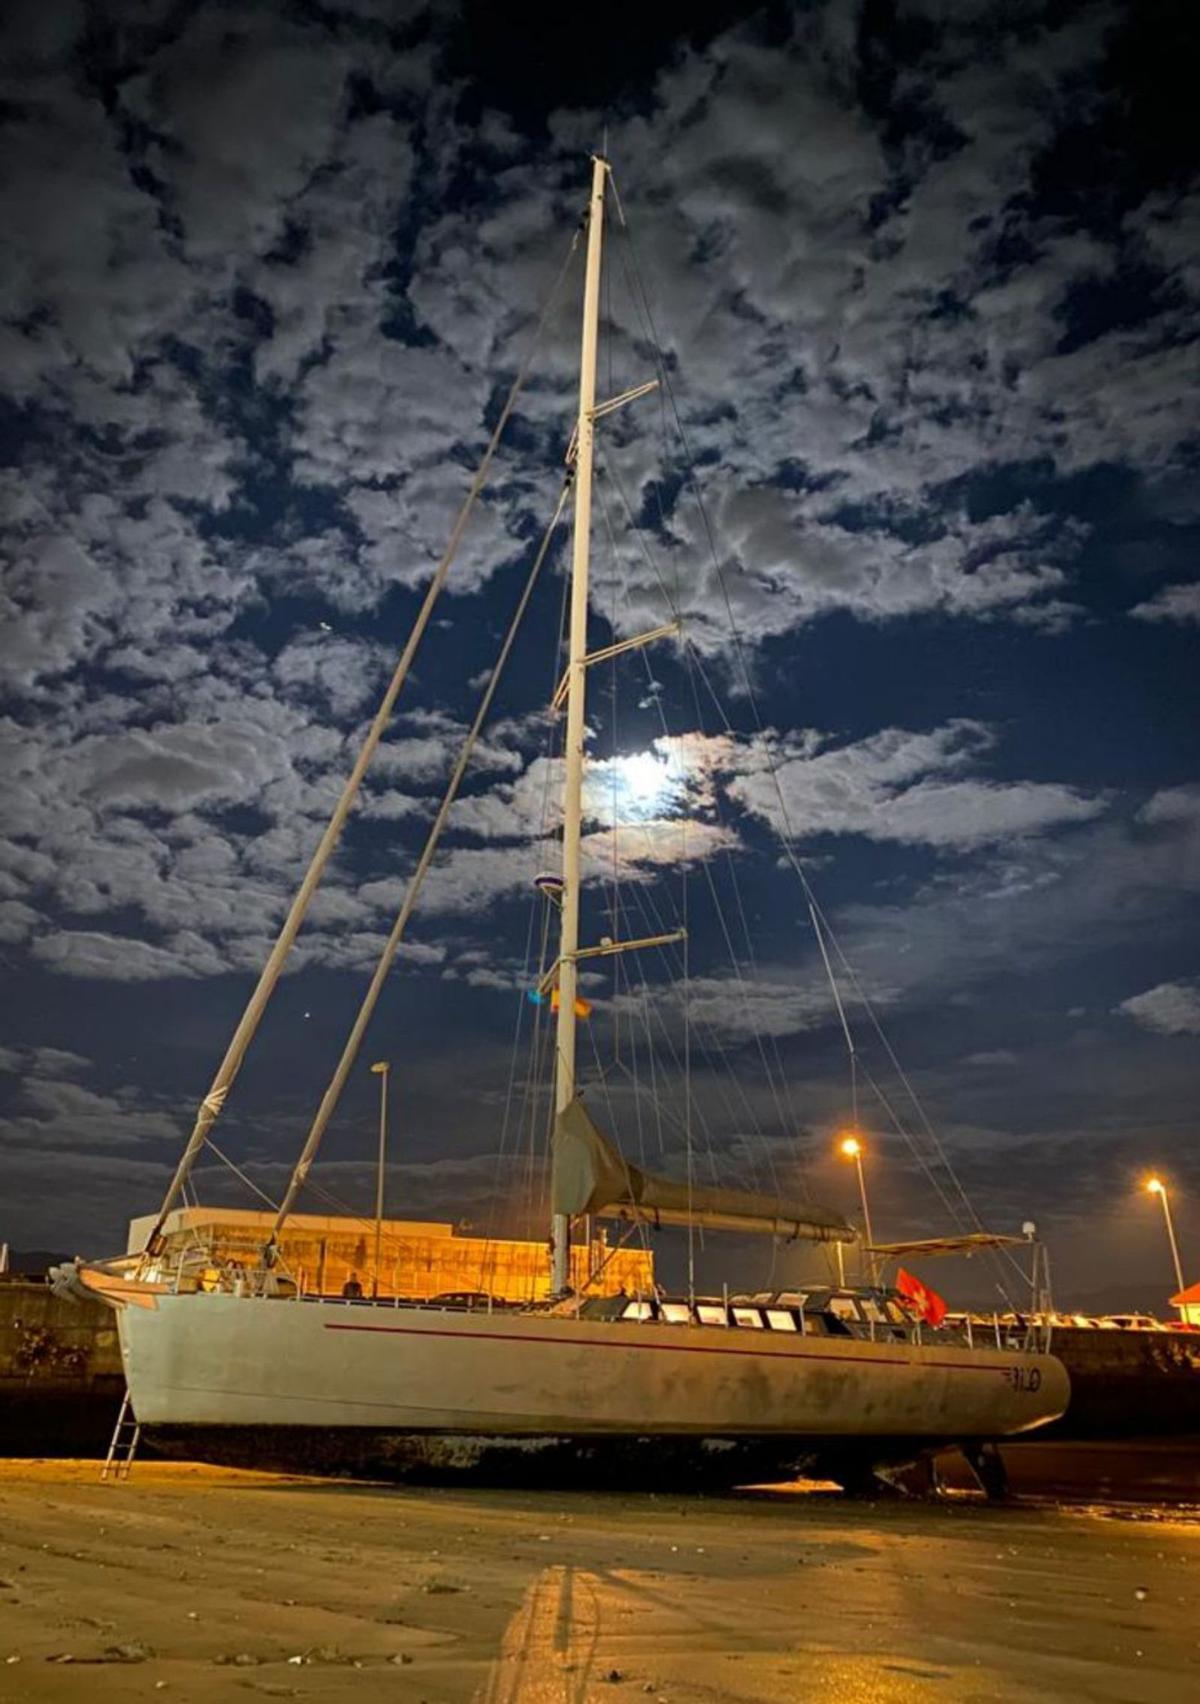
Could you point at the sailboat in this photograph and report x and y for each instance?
(246, 1367)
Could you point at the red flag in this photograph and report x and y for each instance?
(923, 1301)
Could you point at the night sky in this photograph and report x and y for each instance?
(924, 279)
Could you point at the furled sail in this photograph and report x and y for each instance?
(590, 1176)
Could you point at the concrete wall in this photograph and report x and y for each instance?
(61, 1379)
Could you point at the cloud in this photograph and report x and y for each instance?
(187, 235)
(883, 360)
(637, 850)
(1173, 805)
(897, 785)
(17, 920)
(72, 201)
(465, 879)
(473, 878)
(1172, 603)
(135, 821)
(766, 241)
(341, 676)
(338, 278)
(93, 1197)
(43, 1061)
(740, 1008)
(634, 789)
(122, 958)
(179, 767)
(50, 1110)
(787, 563)
(1171, 1008)
(54, 593)
(1169, 224)
(95, 579)
(528, 805)
(1036, 912)
(242, 112)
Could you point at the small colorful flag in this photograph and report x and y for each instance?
(923, 1301)
(583, 1008)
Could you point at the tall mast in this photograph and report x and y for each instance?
(568, 972)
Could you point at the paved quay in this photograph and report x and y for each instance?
(197, 1584)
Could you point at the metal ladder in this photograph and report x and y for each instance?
(123, 1447)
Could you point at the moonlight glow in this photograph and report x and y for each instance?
(640, 786)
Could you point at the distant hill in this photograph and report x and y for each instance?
(33, 1262)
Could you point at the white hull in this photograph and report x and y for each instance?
(226, 1361)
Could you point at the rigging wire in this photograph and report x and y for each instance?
(820, 925)
(687, 1062)
(538, 911)
(841, 1010)
(717, 906)
(241, 1175)
(358, 1029)
(688, 1027)
(652, 921)
(212, 1105)
(640, 293)
(777, 1081)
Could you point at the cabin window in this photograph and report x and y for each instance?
(748, 1317)
(676, 1313)
(780, 1320)
(873, 1310)
(638, 1310)
(843, 1307)
(711, 1313)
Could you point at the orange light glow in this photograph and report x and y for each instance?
(1156, 1186)
(850, 1146)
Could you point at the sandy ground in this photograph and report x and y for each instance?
(193, 1583)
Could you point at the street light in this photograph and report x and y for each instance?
(1156, 1186)
(381, 1070)
(851, 1149)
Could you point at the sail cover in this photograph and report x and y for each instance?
(590, 1176)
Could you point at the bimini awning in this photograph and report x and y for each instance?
(590, 1176)
(972, 1242)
